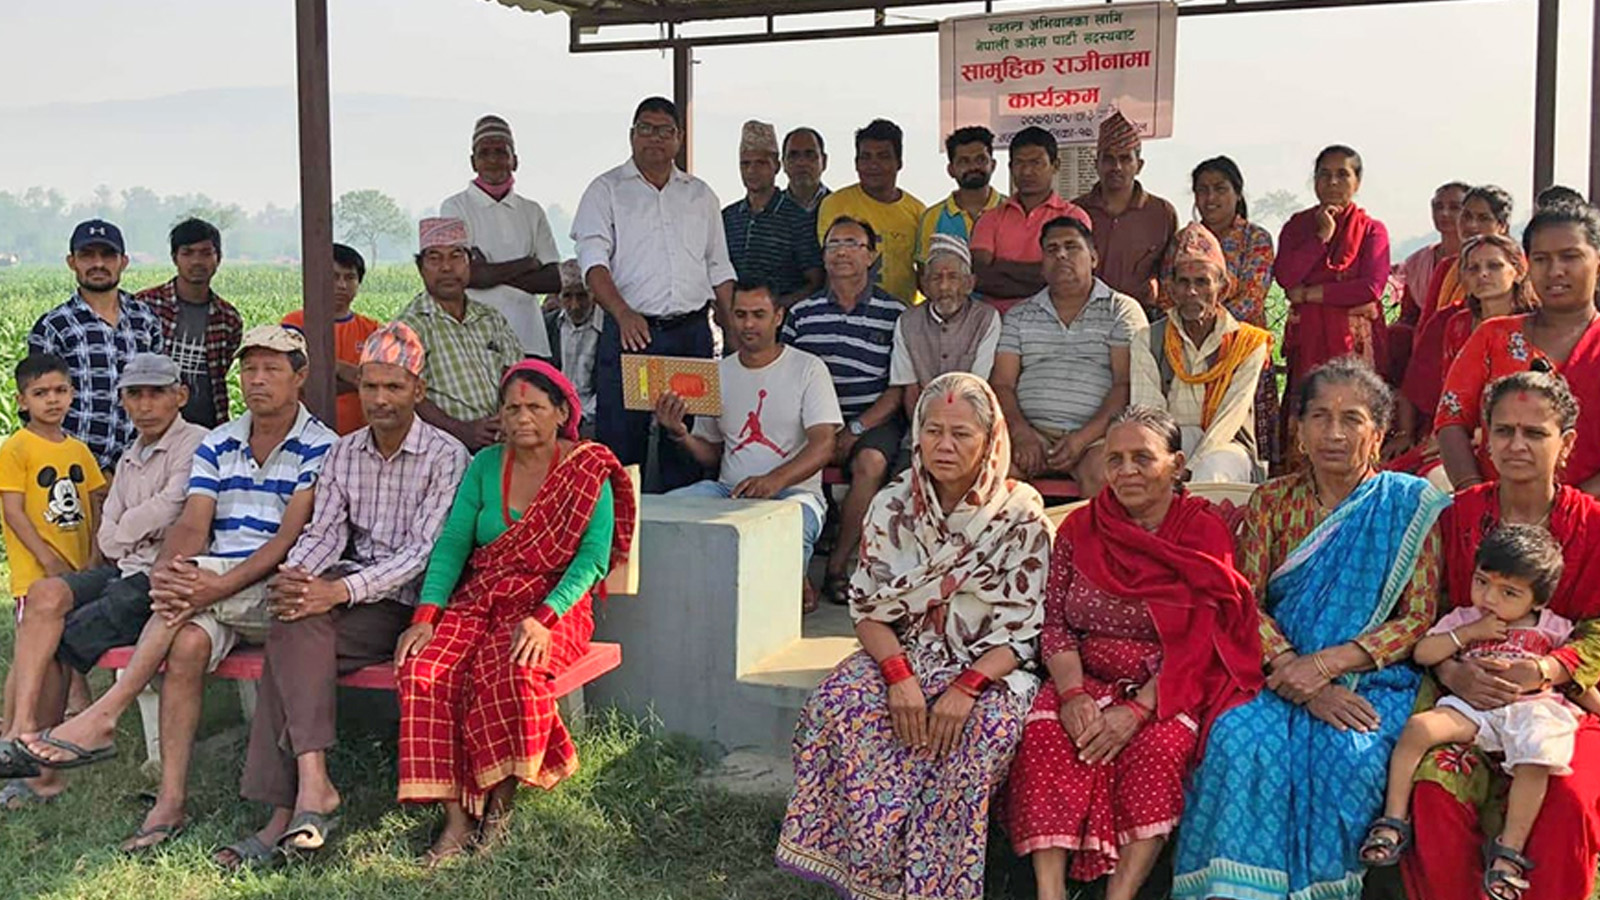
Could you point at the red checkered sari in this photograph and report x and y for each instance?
(469, 717)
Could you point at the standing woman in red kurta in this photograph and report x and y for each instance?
(1149, 634)
(1333, 263)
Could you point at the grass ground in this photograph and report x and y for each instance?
(632, 824)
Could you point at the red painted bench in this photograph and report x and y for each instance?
(244, 666)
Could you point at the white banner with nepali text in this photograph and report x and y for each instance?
(1062, 69)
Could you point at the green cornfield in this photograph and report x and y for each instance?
(262, 293)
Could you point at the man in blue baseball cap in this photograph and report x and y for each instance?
(97, 330)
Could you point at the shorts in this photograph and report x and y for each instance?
(108, 610)
(884, 437)
(1539, 731)
(240, 618)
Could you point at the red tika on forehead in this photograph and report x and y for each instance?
(1523, 396)
(950, 396)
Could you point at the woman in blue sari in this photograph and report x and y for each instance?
(1346, 562)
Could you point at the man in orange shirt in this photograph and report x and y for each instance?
(350, 331)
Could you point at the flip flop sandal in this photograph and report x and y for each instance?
(19, 795)
(308, 831)
(1498, 884)
(16, 762)
(1387, 849)
(164, 832)
(80, 756)
(248, 853)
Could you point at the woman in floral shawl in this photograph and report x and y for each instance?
(898, 751)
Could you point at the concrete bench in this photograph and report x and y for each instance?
(244, 666)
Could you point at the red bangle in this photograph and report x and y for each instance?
(1144, 713)
(426, 614)
(972, 682)
(895, 669)
(1071, 692)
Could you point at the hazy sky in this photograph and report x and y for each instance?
(1427, 92)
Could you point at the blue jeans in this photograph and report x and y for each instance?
(810, 522)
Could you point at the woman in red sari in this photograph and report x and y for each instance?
(1563, 246)
(1459, 796)
(1149, 634)
(1485, 211)
(538, 521)
(1333, 263)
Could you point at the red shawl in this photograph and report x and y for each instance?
(1582, 372)
(1203, 609)
(1349, 233)
(523, 565)
(1575, 523)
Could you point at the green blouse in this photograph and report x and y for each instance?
(477, 518)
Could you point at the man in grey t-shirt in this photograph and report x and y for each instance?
(1061, 368)
(776, 431)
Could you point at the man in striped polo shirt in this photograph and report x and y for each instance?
(772, 239)
(1061, 370)
(850, 326)
(249, 498)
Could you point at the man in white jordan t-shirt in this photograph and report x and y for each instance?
(779, 418)
(514, 256)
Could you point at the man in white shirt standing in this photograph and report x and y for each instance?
(514, 255)
(654, 256)
(779, 419)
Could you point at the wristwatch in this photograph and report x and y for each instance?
(856, 428)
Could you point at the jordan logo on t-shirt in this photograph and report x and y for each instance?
(752, 427)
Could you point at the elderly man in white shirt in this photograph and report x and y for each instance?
(1202, 365)
(514, 255)
(654, 256)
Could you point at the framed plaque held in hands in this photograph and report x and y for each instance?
(645, 378)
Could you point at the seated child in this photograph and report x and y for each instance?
(1518, 567)
(50, 485)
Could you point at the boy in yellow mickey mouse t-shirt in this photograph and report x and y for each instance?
(50, 486)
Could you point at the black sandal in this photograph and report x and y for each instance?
(1498, 884)
(1387, 849)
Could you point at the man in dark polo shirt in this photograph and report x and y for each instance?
(772, 240)
(849, 325)
(1132, 227)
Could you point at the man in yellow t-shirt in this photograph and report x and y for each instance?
(50, 485)
(876, 199)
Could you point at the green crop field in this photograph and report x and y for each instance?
(262, 293)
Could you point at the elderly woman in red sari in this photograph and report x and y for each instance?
(538, 521)
(1149, 634)
(1459, 795)
(1333, 263)
(898, 750)
(1485, 211)
(1563, 335)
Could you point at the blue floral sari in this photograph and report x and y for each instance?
(1281, 800)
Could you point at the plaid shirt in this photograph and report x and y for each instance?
(95, 352)
(224, 330)
(377, 519)
(464, 359)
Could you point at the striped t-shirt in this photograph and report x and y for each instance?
(251, 498)
(855, 345)
(1066, 369)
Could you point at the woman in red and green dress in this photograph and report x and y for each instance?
(1459, 796)
(538, 522)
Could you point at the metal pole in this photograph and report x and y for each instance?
(316, 202)
(683, 98)
(1594, 112)
(1544, 96)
